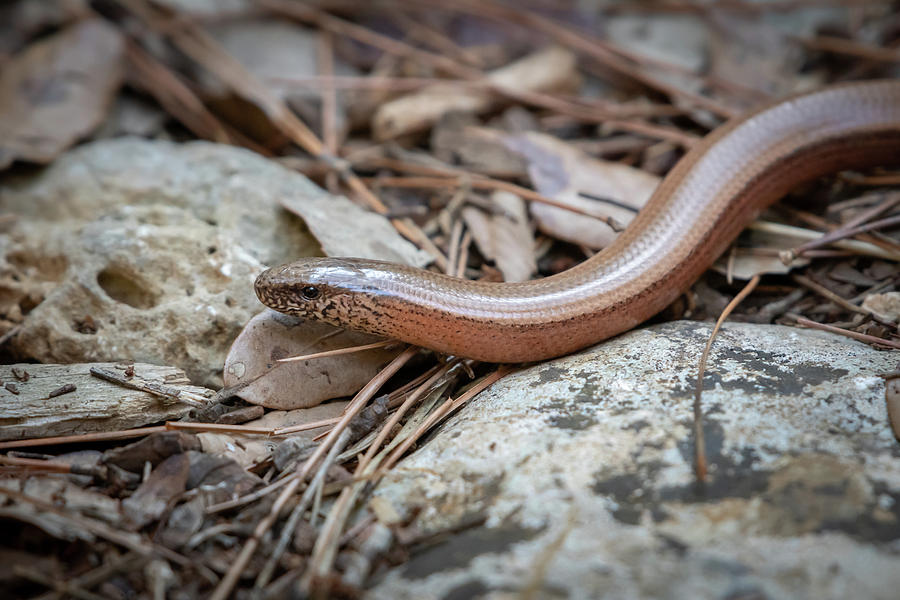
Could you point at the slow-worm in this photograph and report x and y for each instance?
(700, 207)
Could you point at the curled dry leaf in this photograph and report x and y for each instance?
(279, 419)
(246, 451)
(278, 54)
(885, 306)
(757, 55)
(165, 483)
(251, 370)
(345, 229)
(552, 68)
(758, 254)
(505, 236)
(58, 90)
(251, 450)
(567, 175)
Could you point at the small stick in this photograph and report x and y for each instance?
(854, 227)
(339, 351)
(105, 436)
(862, 337)
(486, 184)
(181, 426)
(842, 302)
(700, 469)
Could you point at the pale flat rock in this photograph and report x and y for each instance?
(253, 373)
(583, 469)
(147, 250)
(27, 409)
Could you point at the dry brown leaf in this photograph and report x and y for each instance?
(758, 254)
(343, 228)
(885, 306)
(165, 483)
(457, 140)
(505, 236)
(246, 451)
(58, 90)
(278, 419)
(270, 336)
(552, 68)
(754, 54)
(565, 174)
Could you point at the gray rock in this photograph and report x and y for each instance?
(583, 469)
(147, 250)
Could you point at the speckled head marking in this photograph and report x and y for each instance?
(325, 289)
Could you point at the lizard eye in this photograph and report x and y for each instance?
(310, 292)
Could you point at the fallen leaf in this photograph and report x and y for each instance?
(754, 54)
(278, 419)
(154, 448)
(457, 140)
(345, 229)
(58, 90)
(550, 69)
(504, 237)
(246, 451)
(567, 175)
(251, 366)
(758, 254)
(166, 482)
(886, 306)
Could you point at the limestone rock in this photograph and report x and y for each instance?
(583, 469)
(147, 250)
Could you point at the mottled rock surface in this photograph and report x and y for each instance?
(583, 469)
(147, 250)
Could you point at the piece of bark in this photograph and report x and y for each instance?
(95, 405)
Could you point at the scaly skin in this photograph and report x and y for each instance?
(698, 210)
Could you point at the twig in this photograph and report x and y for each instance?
(445, 409)
(847, 47)
(132, 541)
(592, 47)
(487, 184)
(842, 302)
(311, 14)
(857, 247)
(339, 351)
(105, 436)
(862, 337)
(853, 227)
(60, 587)
(700, 468)
(203, 49)
(290, 525)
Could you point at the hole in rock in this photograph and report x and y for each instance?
(123, 287)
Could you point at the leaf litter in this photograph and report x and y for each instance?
(447, 135)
